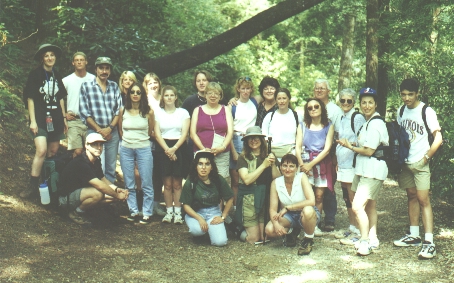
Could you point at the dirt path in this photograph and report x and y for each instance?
(38, 246)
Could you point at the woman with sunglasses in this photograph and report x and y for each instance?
(282, 125)
(152, 85)
(370, 172)
(257, 169)
(244, 114)
(212, 128)
(171, 130)
(315, 161)
(350, 123)
(135, 126)
(202, 192)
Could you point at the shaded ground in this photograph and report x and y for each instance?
(37, 245)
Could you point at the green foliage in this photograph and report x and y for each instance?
(10, 106)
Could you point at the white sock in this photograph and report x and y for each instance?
(177, 209)
(414, 231)
(79, 210)
(311, 236)
(429, 237)
(170, 210)
(352, 228)
(357, 231)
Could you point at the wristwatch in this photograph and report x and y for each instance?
(223, 218)
(426, 156)
(111, 127)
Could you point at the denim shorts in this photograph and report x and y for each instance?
(294, 217)
(238, 144)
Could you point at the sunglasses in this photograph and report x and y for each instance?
(316, 107)
(247, 79)
(349, 101)
(138, 92)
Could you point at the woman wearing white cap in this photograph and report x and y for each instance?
(43, 96)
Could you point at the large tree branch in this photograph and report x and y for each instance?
(177, 62)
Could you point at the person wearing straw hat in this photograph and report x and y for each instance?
(256, 169)
(44, 95)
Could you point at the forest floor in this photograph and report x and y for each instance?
(38, 245)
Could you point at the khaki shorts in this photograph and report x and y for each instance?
(416, 175)
(77, 131)
(367, 187)
(250, 217)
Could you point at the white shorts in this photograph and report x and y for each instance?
(317, 182)
(345, 175)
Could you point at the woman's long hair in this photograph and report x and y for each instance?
(308, 118)
(247, 150)
(213, 175)
(144, 108)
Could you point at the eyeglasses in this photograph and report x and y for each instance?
(349, 101)
(320, 88)
(138, 92)
(212, 93)
(247, 79)
(316, 107)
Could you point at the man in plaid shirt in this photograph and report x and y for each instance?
(100, 103)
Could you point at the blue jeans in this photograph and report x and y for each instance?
(330, 206)
(144, 160)
(218, 234)
(238, 144)
(109, 155)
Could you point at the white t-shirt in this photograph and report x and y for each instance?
(245, 116)
(171, 125)
(372, 136)
(297, 194)
(72, 84)
(282, 128)
(414, 124)
(334, 115)
(154, 104)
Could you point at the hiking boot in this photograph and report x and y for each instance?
(177, 219)
(291, 237)
(318, 232)
(343, 234)
(329, 227)
(29, 193)
(135, 217)
(306, 246)
(159, 210)
(350, 240)
(428, 250)
(145, 220)
(168, 218)
(79, 218)
(408, 241)
(363, 248)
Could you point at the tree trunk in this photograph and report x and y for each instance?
(177, 62)
(383, 49)
(345, 70)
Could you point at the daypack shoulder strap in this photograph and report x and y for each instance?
(375, 118)
(233, 111)
(401, 111)
(352, 122)
(424, 118)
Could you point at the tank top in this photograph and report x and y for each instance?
(297, 194)
(135, 131)
(205, 129)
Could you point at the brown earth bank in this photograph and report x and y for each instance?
(39, 245)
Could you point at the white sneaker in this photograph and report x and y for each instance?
(159, 210)
(318, 232)
(168, 217)
(363, 248)
(343, 234)
(428, 250)
(177, 219)
(351, 240)
(373, 244)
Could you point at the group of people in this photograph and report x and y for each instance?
(282, 166)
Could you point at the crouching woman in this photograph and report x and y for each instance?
(294, 194)
(201, 196)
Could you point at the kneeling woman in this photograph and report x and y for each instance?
(201, 195)
(294, 194)
(256, 170)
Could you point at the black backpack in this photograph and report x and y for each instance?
(51, 171)
(396, 153)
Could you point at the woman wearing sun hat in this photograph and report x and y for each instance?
(256, 169)
(43, 96)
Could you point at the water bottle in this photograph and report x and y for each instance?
(44, 193)
(50, 125)
(305, 154)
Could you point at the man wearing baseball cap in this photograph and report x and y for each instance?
(83, 183)
(100, 103)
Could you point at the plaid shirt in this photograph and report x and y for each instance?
(101, 107)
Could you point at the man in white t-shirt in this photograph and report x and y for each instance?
(415, 176)
(77, 130)
(321, 91)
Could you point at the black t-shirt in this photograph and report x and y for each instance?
(192, 101)
(78, 174)
(46, 89)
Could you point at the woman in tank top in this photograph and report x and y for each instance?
(316, 137)
(135, 126)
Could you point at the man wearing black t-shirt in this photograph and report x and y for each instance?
(83, 182)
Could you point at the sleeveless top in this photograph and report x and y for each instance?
(314, 141)
(207, 125)
(135, 131)
(297, 194)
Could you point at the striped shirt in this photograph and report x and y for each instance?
(101, 107)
